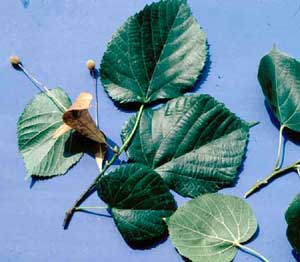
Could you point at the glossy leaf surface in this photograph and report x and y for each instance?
(193, 142)
(157, 54)
(279, 77)
(292, 217)
(138, 199)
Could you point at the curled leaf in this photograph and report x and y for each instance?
(61, 130)
(78, 117)
(99, 153)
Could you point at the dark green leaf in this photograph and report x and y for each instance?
(292, 217)
(279, 77)
(193, 142)
(44, 155)
(211, 227)
(138, 199)
(157, 54)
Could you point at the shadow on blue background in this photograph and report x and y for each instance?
(25, 3)
(202, 78)
(296, 256)
(288, 134)
(83, 145)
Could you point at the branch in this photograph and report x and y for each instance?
(91, 189)
(276, 173)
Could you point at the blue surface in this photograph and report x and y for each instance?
(54, 39)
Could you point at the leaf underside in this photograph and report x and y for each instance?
(292, 217)
(193, 142)
(279, 77)
(138, 199)
(157, 54)
(208, 228)
(43, 155)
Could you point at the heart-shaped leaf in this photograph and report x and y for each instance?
(279, 77)
(45, 156)
(211, 227)
(138, 199)
(157, 54)
(193, 142)
(292, 217)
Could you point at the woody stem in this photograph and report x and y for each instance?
(92, 187)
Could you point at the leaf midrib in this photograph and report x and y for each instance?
(162, 51)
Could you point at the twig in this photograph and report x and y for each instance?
(276, 173)
(92, 187)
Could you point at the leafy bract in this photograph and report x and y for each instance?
(211, 227)
(138, 199)
(193, 142)
(292, 217)
(45, 156)
(77, 117)
(279, 77)
(157, 54)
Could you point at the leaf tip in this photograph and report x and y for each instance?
(253, 124)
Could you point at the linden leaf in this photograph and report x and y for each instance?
(138, 199)
(211, 227)
(45, 156)
(292, 217)
(194, 142)
(157, 54)
(279, 77)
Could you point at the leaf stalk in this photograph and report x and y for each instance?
(278, 159)
(92, 187)
(252, 251)
(261, 183)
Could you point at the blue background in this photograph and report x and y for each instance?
(54, 39)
